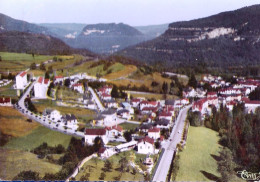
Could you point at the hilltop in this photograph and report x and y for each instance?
(222, 40)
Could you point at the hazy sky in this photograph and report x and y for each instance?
(132, 12)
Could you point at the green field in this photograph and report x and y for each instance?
(15, 161)
(8, 91)
(19, 61)
(197, 161)
(129, 126)
(94, 168)
(37, 137)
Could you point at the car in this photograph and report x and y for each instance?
(179, 131)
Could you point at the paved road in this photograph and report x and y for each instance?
(170, 146)
(97, 101)
(42, 119)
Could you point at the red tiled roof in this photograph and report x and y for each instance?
(77, 85)
(105, 95)
(166, 114)
(46, 81)
(154, 109)
(154, 130)
(40, 79)
(252, 102)
(95, 131)
(5, 100)
(212, 93)
(23, 74)
(56, 77)
(146, 139)
(118, 128)
(136, 100)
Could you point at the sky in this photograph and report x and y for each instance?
(132, 12)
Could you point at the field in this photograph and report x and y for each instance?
(197, 161)
(8, 91)
(16, 62)
(83, 115)
(66, 94)
(37, 137)
(129, 126)
(94, 168)
(122, 72)
(154, 96)
(15, 161)
(14, 123)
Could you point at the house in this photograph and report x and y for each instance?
(105, 90)
(98, 121)
(109, 117)
(91, 134)
(58, 80)
(162, 123)
(169, 103)
(105, 96)
(145, 127)
(126, 146)
(148, 104)
(154, 133)
(41, 88)
(212, 94)
(78, 87)
(105, 153)
(149, 110)
(128, 106)
(146, 146)
(69, 120)
(53, 114)
(5, 101)
(165, 115)
(124, 113)
(90, 104)
(213, 101)
(114, 131)
(230, 105)
(135, 102)
(201, 106)
(185, 101)
(251, 105)
(110, 103)
(21, 80)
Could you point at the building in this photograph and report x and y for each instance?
(21, 80)
(5, 101)
(201, 106)
(41, 88)
(105, 153)
(91, 134)
(114, 131)
(154, 133)
(70, 120)
(135, 102)
(110, 103)
(58, 80)
(146, 146)
(78, 87)
(109, 117)
(251, 105)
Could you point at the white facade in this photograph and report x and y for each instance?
(145, 147)
(41, 88)
(21, 80)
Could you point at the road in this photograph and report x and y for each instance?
(170, 146)
(95, 97)
(42, 119)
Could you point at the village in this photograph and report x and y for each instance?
(154, 120)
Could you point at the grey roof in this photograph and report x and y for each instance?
(99, 117)
(163, 122)
(169, 102)
(47, 111)
(69, 117)
(145, 126)
(108, 112)
(110, 101)
(122, 111)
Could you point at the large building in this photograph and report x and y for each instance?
(41, 88)
(21, 80)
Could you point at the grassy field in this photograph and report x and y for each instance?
(66, 94)
(15, 161)
(197, 161)
(8, 91)
(19, 61)
(83, 115)
(128, 126)
(37, 137)
(154, 96)
(14, 123)
(123, 72)
(94, 168)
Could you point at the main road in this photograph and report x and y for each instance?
(170, 146)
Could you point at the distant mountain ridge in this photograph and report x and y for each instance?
(106, 38)
(10, 24)
(220, 40)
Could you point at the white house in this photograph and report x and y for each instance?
(114, 131)
(41, 88)
(135, 102)
(148, 104)
(109, 117)
(21, 80)
(251, 105)
(105, 153)
(124, 113)
(201, 106)
(162, 123)
(5, 101)
(146, 146)
(110, 103)
(78, 87)
(154, 133)
(166, 115)
(70, 120)
(91, 134)
(58, 80)
(56, 115)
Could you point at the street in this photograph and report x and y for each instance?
(170, 146)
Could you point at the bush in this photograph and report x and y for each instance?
(27, 175)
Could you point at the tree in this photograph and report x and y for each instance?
(67, 82)
(102, 176)
(27, 175)
(107, 166)
(192, 81)
(55, 59)
(114, 92)
(154, 84)
(42, 66)
(50, 70)
(255, 95)
(33, 66)
(165, 87)
(226, 165)
(123, 164)
(128, 136)
(98, 143)
(47, 76)
(0, 58)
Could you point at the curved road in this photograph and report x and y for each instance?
(170, 146)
